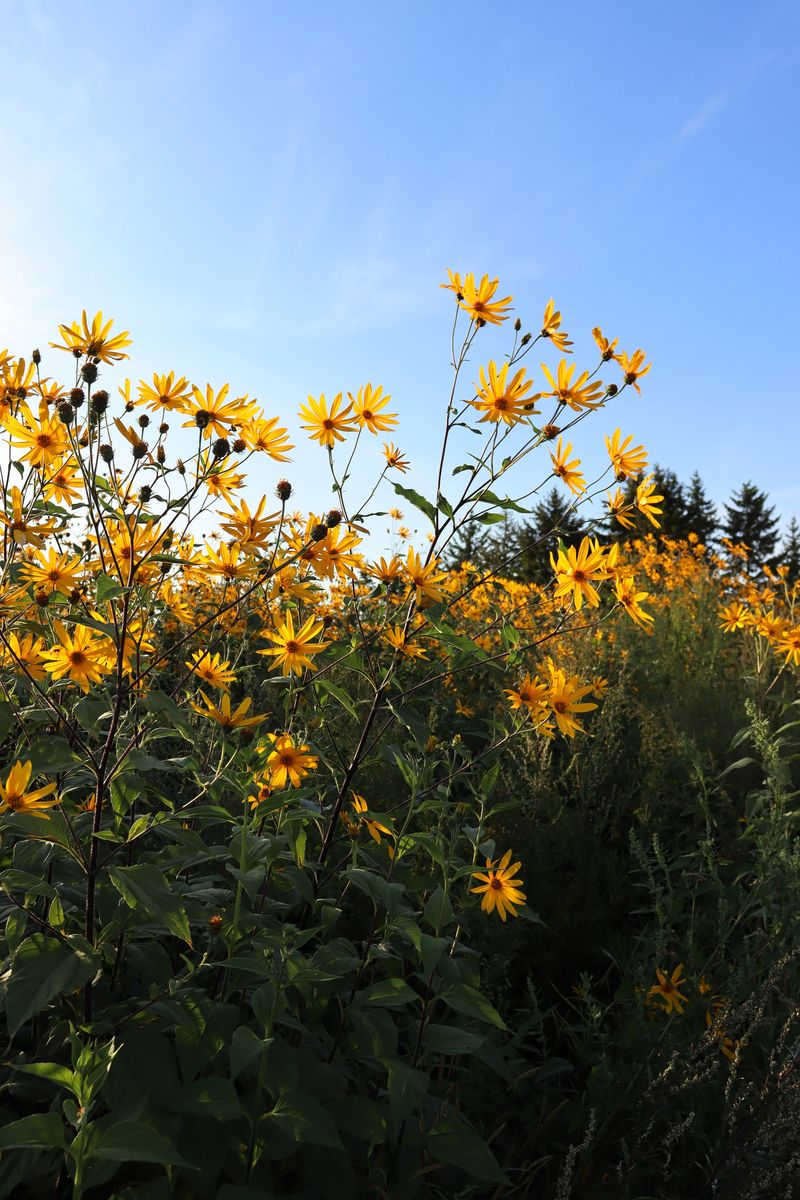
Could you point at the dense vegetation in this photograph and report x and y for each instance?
(469, 870)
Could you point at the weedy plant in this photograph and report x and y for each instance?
(248, 813)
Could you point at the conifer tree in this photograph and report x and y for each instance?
(749, 519)
(553, 518)
(701, 512)
(790, 550)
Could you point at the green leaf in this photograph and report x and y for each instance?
(148, 762)
(42, 969)
(56, 1073)
(128, 1141)
(305, 1121)
(50, 755)
(454, 1143)
(210, 1097)
(438, 911)
(36, 1132)
(444, 505)
(406, 1088)
(469, 1002)
(107, 588)
(361, 1118)
(246, 1047)
(339, 694)
(418, 501)
(491, 518)
(389, 993)
(451, 1039)
(487, 497)
(144, 887)
(6, 718)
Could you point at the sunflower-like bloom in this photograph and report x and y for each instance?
(236, 719)
(22, 529)
(501, 890)
(626, 460)
(267, 436)
(605, 347)
(229, 562)
(65, 484)
(211, 669)
(631, 600)
(402, 642)
(582, 394)
(166, 392)
(327, 426)
(250, 530)
(368, 406)
(667, 989)
(479, 301)
(81, 655)
(53, 572)
(568, 471)
(425, 580)
(15, 798)
(355, 817)
(288, 763)
(577, 570)
(93, 340)
(789, 645)
(455, 285)
(566, 698)
(337, 554)
(500, 400)
(551, 324)
(394, 458)
(647, 502)
(386, 572)
(531, 693)
(44, 442)
(633, 368)
(620, 509)
(214, 414)
(293, 650)
(25, 655)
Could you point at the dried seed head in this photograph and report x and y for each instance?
(99, 402)
(221, 448)
(139, 449)
(106, 452)
(239, 446)
(144, 421)
(89, 371)
(319, 532)
(283, 489)
(333, 518)
(66, 413)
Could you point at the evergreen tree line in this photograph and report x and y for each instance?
(521, 549)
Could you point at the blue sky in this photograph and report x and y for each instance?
(269, 195)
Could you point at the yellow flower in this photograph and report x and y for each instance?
(667, 989)
(394, 457)
(327, 427)
(26, 655)
(81, 655)
(567, 471)
(237, 719)
(425, 580)
(288, 763)
(267, 436)
(479, 303)
(790, 645)
(581, 394)
(386, 572)
(566, 697)
(44, 443)
(630, 599)
(501, 890)
(250, 530)
(402, 642)
(21, 527)
(65, 484)
(211, 669)
(292, 649)
(605, 347)
(455, 285)
(599, 686)
(576, 570)
(93, 340)
(619, 508)
(15, 798)
(626, 460)
(499, 400)
(646, 502)
(166, 392)
(367, 409)
(354, 818)
(633, 368)
(551, 323)
(214, 413)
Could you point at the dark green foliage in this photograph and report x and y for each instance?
(790, 550)
(750, 519)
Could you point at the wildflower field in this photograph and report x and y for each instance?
(461, 863)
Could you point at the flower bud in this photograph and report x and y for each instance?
(526, 337)
(36, 356)
(161, 455)
(163, 429)
(283, 489)
(144, 421)
(181, 468)
(129, 406)
(215, 923)
(612, 389)
(517, 325)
